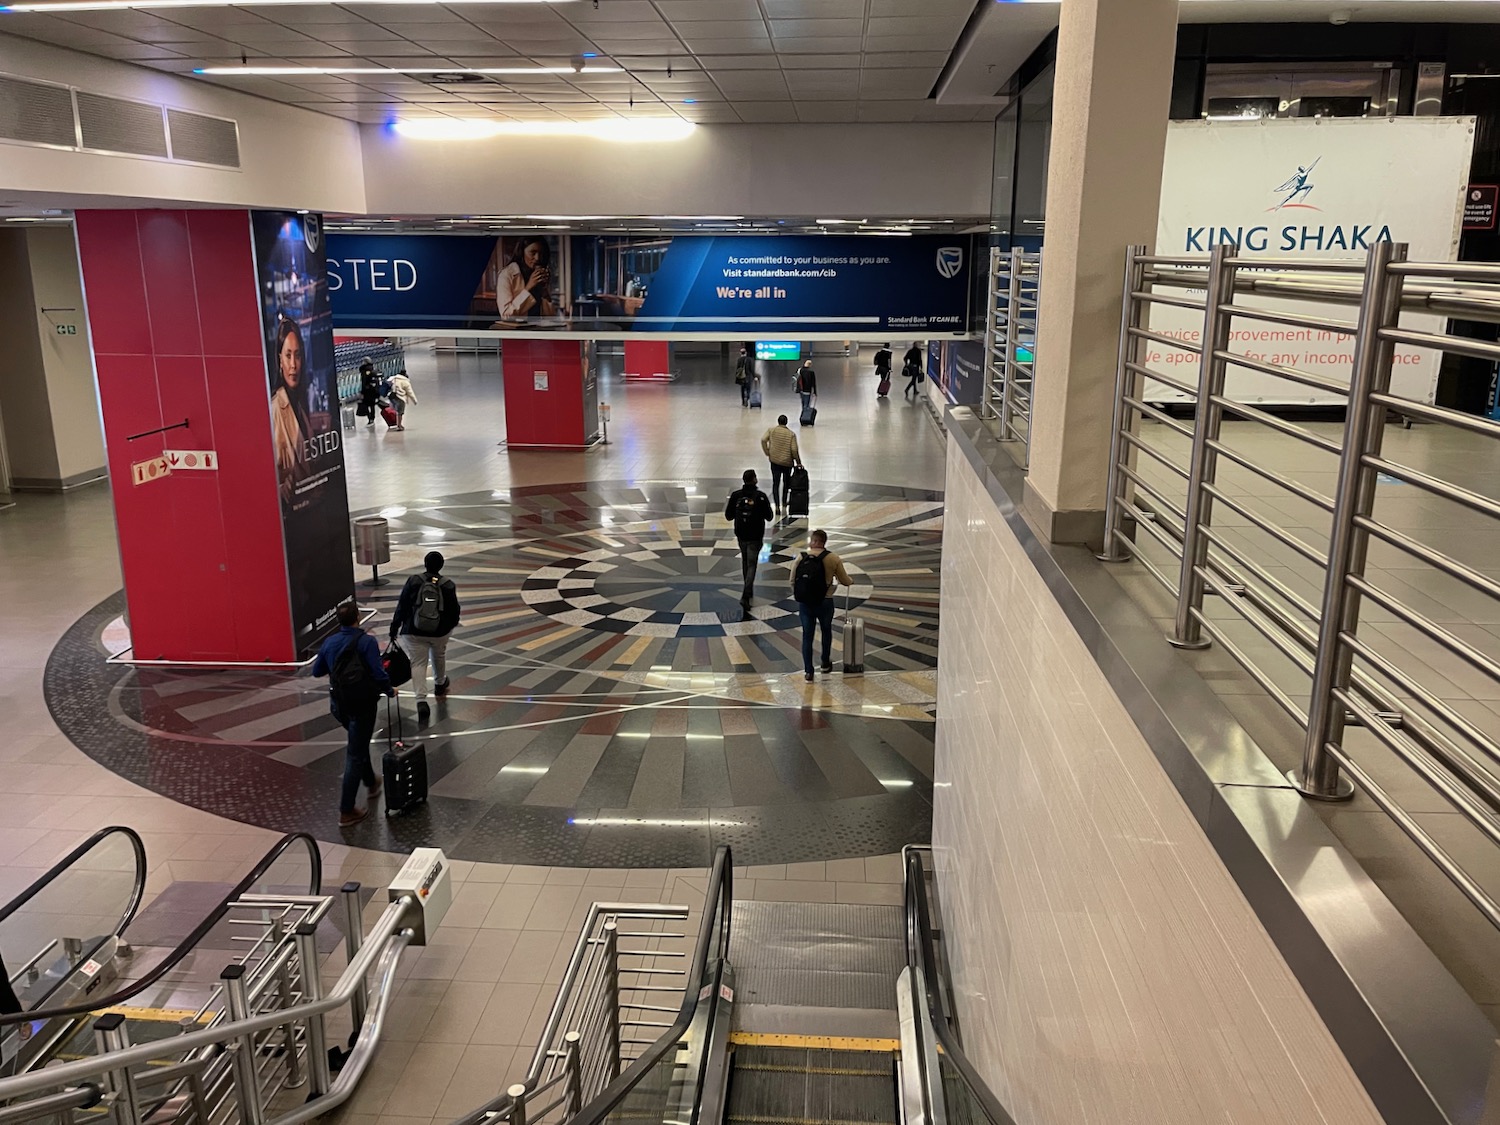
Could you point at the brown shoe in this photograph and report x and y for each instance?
(349, 819)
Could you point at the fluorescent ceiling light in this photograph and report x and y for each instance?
(119, 5)
(287, 71)
(633, 130)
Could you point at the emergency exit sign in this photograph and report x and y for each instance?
(67, 329)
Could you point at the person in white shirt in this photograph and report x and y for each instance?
(402, 394)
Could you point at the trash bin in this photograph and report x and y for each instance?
(372, 545)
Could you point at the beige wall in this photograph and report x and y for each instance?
(812, 171)
(48, 401)
(1107, 968)
(289, 157)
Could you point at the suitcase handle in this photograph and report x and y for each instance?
(400, 737)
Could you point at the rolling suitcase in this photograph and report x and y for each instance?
(349, 412)
(797, 490)
(884, 388)
(755, 397)
(854, 640)
(403, 769)
(809, 416)
(390, 416)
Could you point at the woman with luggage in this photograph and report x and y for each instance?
(402, 395)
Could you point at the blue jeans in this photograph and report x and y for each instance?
(806, 399)
(361, 728)
(820, 614)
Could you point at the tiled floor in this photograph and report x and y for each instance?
(1456, 931)
(468, 1003)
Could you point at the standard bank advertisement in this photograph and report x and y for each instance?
(605, 285)
(1303, 190)
(297, 327)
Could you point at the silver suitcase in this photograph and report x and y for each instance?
(347, 411)
(854, 640)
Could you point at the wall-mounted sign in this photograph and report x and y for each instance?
(144, 472)
(778, 349)
(200, 460)
(1479, 206)
(67, 329)
(539, 380)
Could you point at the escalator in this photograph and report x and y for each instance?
(815, 1015)
(77, 944)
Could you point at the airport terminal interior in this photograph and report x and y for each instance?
(427, 698)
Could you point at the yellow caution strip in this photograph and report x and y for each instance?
(812, 1042)
(156, 1015)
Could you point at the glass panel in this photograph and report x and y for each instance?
(289, 874)
(1242, 109)
(658, 1095)
(1033, 148)
(1334, 107)
(1002, 190)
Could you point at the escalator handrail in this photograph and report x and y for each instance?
(186, 946)
(712, 945)
(921, 956)
(137, 845)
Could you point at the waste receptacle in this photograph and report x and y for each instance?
(372, 545)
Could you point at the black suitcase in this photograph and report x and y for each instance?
(797, 490)
(809, 416)
(403, 769)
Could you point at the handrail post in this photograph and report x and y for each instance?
(1187, 631)
(991, 334)
(1354, 496)
(320, 1077)
(353, 938)
(1012, 306)
(612, 995)
(1129, 352)
(110, 1034)
(572, 1068)
(518, 1103)
(294, 1073)
(246, 1075)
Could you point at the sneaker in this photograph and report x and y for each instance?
(808, 676)
(441, 689)
(349, 819)
(424, 712)
(827, 668)
(375, 790)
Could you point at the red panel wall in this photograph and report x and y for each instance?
(648, 359)
(175, 328)
(553, 417)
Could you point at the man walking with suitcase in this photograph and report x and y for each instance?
(815, 576)
(357, 679)
(749, 509)
(425, 614)
(779, 445)
(807, 387)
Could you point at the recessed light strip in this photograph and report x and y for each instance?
(275, 71)
(624, 129)
(124, 5)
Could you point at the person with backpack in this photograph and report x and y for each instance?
(425, 614)
(911, 369)
(779, 445)
(807, 387)
(749, 509)
(357, 679)
(815, 576)
(369, 392)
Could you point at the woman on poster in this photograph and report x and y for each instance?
(524, 289)
(290, 425)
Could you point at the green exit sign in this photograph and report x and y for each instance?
(67, 329)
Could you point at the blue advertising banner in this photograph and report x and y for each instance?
(957, 367)
(744, 286)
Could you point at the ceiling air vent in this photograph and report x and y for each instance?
(36, 113)
(116, 125)
(202, 139)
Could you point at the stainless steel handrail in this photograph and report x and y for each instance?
(1349, 678)
(1014, 299)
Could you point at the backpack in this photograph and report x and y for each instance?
(810, 580)
(427, 613)
(801, 383)
(349, 680)
(748, 522)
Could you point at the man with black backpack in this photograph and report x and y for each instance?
(357, 679)
(814, 577)
(426, 613)
(749, 508)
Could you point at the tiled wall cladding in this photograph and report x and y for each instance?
(1107, 967)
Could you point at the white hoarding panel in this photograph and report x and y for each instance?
(1298, 190)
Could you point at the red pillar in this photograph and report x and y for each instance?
(648, 361)
(547, 399)
(179, 333)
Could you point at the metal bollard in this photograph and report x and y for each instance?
(110, 1034)
(572, 1067)
(517, 1094)
(246, 1076)
(319, 1076)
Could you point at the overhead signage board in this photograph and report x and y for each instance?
(778, 349)
(592, 285)
(1298, 190)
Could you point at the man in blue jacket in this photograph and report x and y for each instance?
(357, 679)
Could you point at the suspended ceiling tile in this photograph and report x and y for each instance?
(887, 111)
(893, 82)
(803, 82)
(821, 45)
(766, 112)
(719, 29)
(827, 111)
(704, 47)
(814, 9)
(611, 11)
(934, 59)
(898, 43)
(896, 9)
(819, 62)
(805, 29)
(694, 10)
(933, 23)
(752, 83)
(713, 63)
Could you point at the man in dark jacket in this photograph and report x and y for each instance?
(425, 615)
(749, 509)
(356, 681)
(807, 385)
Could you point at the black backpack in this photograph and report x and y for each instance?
(350, 680)
(748, 522)
(427, 610)
(810, 580)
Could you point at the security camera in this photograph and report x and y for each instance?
(1340, 17)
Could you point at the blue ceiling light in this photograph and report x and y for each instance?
(689, 101)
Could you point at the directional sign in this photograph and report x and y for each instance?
(144, 472)
(196, 459)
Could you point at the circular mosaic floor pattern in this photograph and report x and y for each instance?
(612, 704)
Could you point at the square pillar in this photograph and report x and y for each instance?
(551, 399)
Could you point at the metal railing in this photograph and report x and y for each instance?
(1010, 330)
(623, 985)
(1164, 511)
(269, 1039)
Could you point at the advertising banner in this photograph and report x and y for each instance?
(600, 285)
(297, 327)
(957, 367)
(1299, 189)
